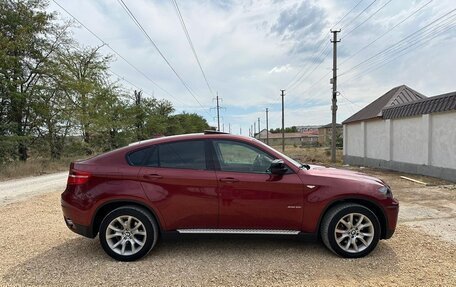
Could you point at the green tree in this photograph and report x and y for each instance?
(83, 78)
(28, 39)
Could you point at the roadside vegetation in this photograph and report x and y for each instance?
(58, 100)
(312, 155)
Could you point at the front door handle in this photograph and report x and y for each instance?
(229, 179)
(153, 176)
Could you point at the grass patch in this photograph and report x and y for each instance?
(34, 167)
(312, 155)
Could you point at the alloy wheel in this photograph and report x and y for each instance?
(126, 235)
(354, 232)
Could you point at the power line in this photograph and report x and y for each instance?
(433, 33)
(396, 44)
(138, 24)
(307, 64)
(294, 82)
(184, 27)
(115, 52)
(320, 58)
(359, 14)
(367, 19)
(348, 13)
(386, 32)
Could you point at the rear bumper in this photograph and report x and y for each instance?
(77, 220)
(79, 229)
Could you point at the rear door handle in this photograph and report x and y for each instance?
(229, 179)
(153, 176)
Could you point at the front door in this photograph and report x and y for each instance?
(250, 197)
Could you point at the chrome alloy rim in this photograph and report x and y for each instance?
(354, 232)
(126, 235)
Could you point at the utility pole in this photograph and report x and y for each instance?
(254, 129)
(218, 113)
(240, 131)
(259, 130)
(267, 127)
(223, 127)
(334, 96)
(229, 127)
(283, 121)
(251, 130)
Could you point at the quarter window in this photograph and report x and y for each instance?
(184, 154)
(144, 157)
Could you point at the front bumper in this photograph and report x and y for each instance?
(392, 212)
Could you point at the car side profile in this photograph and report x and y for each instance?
(221, 183)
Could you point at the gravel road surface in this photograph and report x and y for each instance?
(39, 250)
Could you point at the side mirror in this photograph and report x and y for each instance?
(278, 167)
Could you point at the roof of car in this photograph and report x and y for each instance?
(191, 136)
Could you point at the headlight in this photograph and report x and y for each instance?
(385, 190)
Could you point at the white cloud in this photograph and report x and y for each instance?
(252, 49)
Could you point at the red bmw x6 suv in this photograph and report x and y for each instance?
(221, 183)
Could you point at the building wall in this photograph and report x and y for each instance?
(408, 140)
(424, 144)
(443, 140)
(354, 139)
(376, 141)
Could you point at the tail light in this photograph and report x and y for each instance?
(78, 177)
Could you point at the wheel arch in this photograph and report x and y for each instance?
(375, 207)
(109, 206)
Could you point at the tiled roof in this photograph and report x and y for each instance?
(330, 125)
(395, 96)
(440, 103)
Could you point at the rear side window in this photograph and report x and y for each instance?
(144, 157)
(185, 154)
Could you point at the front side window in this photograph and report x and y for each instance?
(184, 154)
(241, 157)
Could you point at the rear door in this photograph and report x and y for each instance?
(181, 184)
(251, 198)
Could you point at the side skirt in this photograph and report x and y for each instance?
(239, 231)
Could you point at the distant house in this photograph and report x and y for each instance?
(404, 130)
(325, 133)
(299, 139)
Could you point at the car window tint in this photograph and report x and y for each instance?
(241, 157)
(186, 154)
(144, 157)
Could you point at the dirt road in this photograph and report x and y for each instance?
(38, 249)
(16, 189)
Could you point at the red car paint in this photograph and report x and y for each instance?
(185, 199)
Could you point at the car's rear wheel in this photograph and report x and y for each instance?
(128, 233)
(350, 230)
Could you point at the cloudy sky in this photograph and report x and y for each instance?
(251, 49)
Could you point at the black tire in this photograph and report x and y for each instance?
(149, 226)
(332, 218)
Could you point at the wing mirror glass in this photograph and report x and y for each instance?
(278, 167)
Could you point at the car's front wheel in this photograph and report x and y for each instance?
(128, 233)
(350, 230)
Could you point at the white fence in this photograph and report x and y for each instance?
(424, 144)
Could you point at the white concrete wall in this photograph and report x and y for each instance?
(408, 140)
(355, 141)
(377, 140)
(428, 140)
(443, 140)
